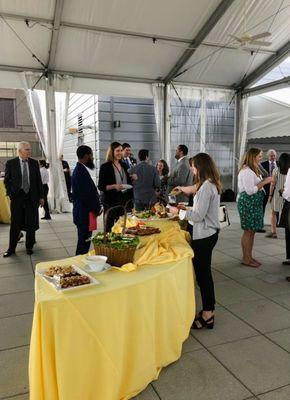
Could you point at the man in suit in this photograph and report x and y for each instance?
(267, 170)
(147, 182)
(86, 198)
(24, 187)
(181, 174)
(128, 159)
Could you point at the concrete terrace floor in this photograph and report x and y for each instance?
(246, 356)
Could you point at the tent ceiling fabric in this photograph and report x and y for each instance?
(83, 51)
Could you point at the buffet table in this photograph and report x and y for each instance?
(4, 205)
(110, 341)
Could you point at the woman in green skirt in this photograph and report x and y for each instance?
(250, 202)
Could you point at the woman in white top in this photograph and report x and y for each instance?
(204, 217)
(45, 179)
(250, 202)
(276, 189)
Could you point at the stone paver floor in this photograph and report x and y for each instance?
(246, 356)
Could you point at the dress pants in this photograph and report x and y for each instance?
(83, 234)
(23, 217)
(287, 238)
(45, 206)
(202, 266)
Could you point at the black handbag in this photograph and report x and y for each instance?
(284, 220)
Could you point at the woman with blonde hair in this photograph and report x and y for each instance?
(250, 202)
(204, 220)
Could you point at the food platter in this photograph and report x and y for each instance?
(67, 278)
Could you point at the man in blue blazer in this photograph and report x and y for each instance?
(86, 198)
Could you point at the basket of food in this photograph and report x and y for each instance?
(118, 247)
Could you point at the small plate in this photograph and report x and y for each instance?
(105, 269)
(126, 186)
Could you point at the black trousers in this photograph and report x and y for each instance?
(24, 216)
(287, 238)
(45, 206)
(83, 234)
(202, 266)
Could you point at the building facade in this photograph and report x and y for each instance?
(15, 125)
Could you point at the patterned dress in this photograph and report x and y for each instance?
(250, 208)
(250, 201)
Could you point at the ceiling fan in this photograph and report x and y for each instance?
(247, 38)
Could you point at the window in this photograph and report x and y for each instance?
(7, 113)
(9, 150)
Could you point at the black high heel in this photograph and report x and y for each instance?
(205, 323)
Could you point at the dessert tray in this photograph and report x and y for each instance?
(67, 277)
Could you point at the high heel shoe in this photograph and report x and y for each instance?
(205, 323)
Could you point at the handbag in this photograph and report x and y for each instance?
(285, 216)
(224, 216)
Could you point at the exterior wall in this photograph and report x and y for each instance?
(137, 126)
(24, 129)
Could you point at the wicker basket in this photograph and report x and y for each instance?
(116, 257)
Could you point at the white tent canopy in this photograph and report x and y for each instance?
(268, 118)
(123, 47)
(138, 41)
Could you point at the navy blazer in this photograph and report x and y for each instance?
(86, 198)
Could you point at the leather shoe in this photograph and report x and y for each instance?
(29, 251)
(261, 231)
(8, 253)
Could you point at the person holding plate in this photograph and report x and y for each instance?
(115, 183)
(204, 218)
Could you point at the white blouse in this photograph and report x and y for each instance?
(248, 181)
(286, 192)
(44, 175)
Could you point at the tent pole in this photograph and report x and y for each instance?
(236, 141)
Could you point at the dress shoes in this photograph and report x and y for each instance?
(287, 262)
(8, 253)
(29, 251)
(46, 218)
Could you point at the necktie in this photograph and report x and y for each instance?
(272, 168)
(128, 162)
(25, 182)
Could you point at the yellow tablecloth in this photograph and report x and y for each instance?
(4, 205)
(109, 341)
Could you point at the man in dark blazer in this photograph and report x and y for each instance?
(181, 174)
(86, 198)
(24, 187)
(128, 159)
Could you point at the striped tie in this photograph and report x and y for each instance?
(25, 182)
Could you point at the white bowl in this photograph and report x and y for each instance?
(96, 263)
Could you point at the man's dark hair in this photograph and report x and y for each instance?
(143, 154)
(183, 148)
(124, 145)
(83, 151)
